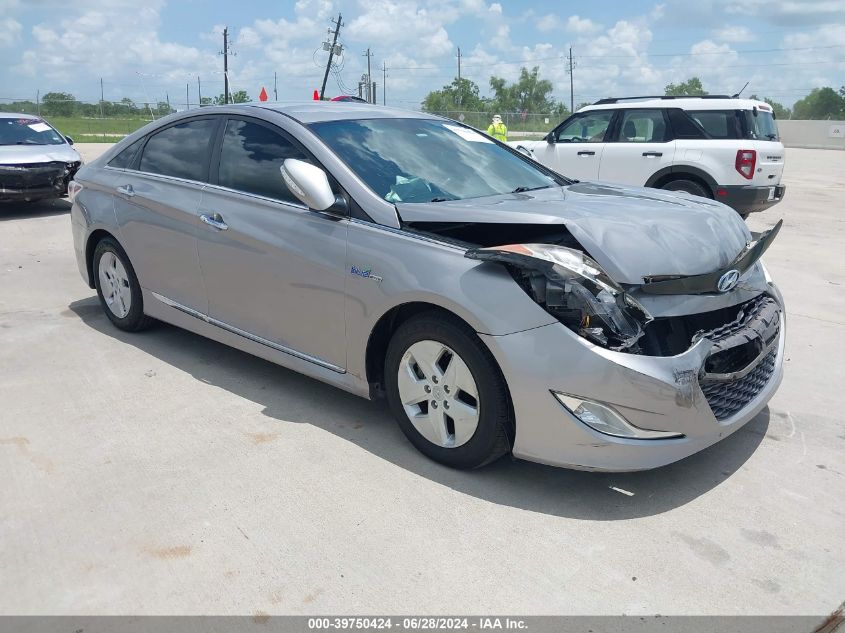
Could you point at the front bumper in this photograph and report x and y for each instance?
(747, 200)
(35, 181)
(650, 392)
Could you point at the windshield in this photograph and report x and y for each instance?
(28, 132)
(762, 126)
(420, 160)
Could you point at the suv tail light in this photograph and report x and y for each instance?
(746, 161)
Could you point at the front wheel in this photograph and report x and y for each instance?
(447, 392)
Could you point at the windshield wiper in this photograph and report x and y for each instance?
(524, 189)
(441, 199)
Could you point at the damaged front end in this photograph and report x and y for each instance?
(34, 181)
(573, 288)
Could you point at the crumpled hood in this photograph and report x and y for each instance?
(633, 232)
(22, 154)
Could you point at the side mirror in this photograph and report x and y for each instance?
(308, 183)
(69, 140)
(550, 138)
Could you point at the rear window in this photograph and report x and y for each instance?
(720, 124)
(761, 126)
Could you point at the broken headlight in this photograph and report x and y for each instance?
(573, 288)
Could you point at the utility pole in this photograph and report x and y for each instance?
(199, 91)
(571, 84)
(275, 88)
(384, 83)
(371, 98)
(38, 102)
(187, 96)
(226, 65)
(167, 97)
(101, 97)
(460, 91)
(337, 24)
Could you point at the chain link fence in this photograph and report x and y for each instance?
(109, 121)
(519, 124)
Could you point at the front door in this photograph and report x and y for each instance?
(576, 146)
(272, 268)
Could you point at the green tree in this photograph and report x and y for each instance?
(459, 95)
(691, 87)
(58, 104)
(240, 96)
(204, 101)
(528, 94)
(821, 103)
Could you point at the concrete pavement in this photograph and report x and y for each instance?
(162, 473)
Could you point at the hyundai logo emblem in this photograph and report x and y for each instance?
(728, 281)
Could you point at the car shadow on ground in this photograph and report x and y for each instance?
(37, 209)
(289, 397)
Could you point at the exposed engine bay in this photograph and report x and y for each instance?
(550, 265)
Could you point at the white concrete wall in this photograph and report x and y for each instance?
(812, 134)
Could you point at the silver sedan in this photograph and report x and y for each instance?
(497, 306)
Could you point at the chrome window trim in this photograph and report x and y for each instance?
(256, 196)
(247, 335)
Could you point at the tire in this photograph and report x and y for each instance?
(464, 362)
(689, 186)
(121, 298)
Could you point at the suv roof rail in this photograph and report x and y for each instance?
(618, 99)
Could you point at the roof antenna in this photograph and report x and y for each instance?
(736, 96)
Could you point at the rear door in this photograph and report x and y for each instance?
(272, 268)
(576, 146)
(156, 196)
(640, 145)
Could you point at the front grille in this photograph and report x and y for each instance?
(736, 345)
(727, 398)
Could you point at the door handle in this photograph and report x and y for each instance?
(586, 153)
(214, 220)
(126, 190)
(656, 154)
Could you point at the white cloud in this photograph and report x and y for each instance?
(549, 22)
(10, 31)
(734, 33)
(576, 24)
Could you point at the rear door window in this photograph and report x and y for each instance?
(181, 151)
(721, 124)
(642, 126)
(251, 158)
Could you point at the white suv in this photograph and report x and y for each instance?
(716, 146)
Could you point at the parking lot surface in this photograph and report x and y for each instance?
(160, 472)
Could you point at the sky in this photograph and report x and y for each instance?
(149, 50)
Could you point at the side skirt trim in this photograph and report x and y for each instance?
(247, 335)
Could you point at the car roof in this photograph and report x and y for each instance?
(18, 115)
(684, 103)
(318, 111)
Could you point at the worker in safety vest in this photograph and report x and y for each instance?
(497, 129)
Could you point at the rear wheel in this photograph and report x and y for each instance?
(689, 186)
(118, 287)
(446, 392)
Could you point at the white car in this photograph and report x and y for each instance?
(36, 160)
(719, 147)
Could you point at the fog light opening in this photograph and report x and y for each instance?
(604, 419)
